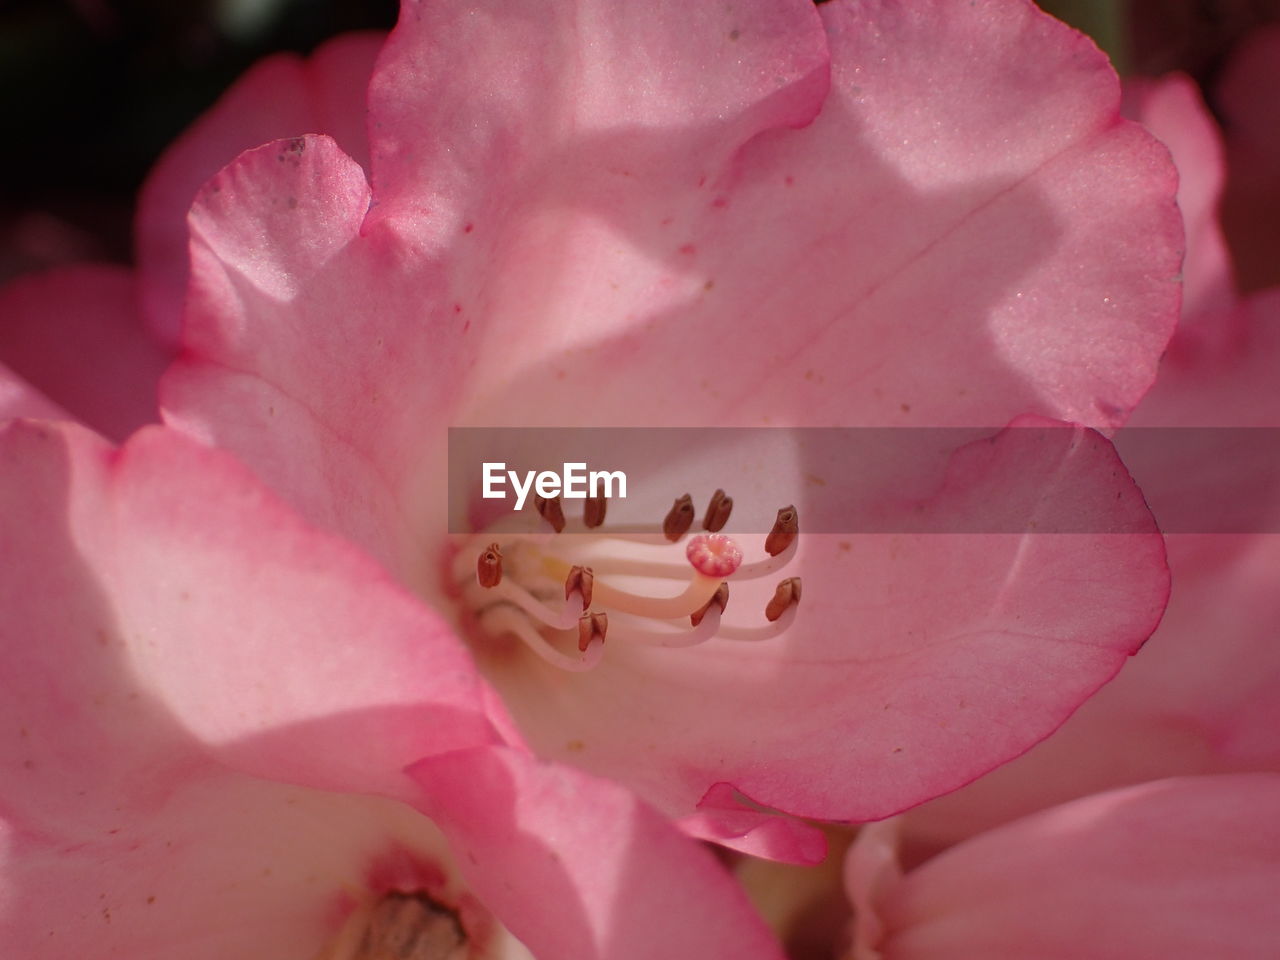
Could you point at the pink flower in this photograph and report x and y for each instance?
(686, 215)
(222, 730)
(1182, 868)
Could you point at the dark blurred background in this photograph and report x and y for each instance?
(92, 90)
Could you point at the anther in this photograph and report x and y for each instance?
(551, 511)
(580, 580)
(720, 598)
(785, 529)
(714, 555)
(489, 566)
(717, 512)
(679, 519)
(593, 512)
(590, 626)
(788, 593)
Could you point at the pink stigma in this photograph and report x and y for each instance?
(714, 555)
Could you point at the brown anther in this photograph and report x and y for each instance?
(788, 592)
(489, 566)
(717, 512)
(720, 598)
(580, 580)
(593, 512)
(551, 511)
(590, 626)
(785, 529)
(679, 519)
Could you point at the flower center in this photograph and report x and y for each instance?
(563, 586)
(401, 926)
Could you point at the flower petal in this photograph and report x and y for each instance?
(1173, 869)
(944, 244)
(1199, 697)
(75, 334)
(1173, 110)
(284, 652)
(19, 399)
(726, 819)
(281, 96)
(306, 354)
(578, 868)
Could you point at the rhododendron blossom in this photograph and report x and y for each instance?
(586, 214)
(229, 735)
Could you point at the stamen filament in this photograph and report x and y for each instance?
(762, 568)
(765, 632)
(698, 592)
(509, 590)
(511, 526)
(627, 632)
(503, 619)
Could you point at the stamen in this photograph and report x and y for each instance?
(632, 629)
(714, 555)
(717, 512)
(499, 620)
(785, 529)
(551, 511)
(787, 595)
(762, 568)
(529, 559)
(514, 593)
(489, 566)
(502, 529)
(658, 608)
(593, 512)
(765, 631)
(590, 627)
(720, 599)
(580, 580)
(679, 519)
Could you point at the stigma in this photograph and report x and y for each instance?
(567, 587)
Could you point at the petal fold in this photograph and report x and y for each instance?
(613, 880)
(74, 333)
(281, 96)
(1168, 870)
